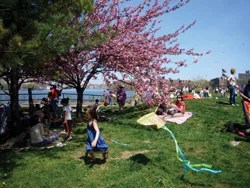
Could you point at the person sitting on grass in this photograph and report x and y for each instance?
(95, 141)
(37, 135)
(162, 109)
(172, 109)
(166, 108)
(180, 105)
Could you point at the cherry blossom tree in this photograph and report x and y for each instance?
(130, 49)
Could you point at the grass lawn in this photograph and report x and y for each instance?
(149, 159)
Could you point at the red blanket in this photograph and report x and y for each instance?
(188, 96)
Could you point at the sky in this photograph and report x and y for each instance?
(222, 26)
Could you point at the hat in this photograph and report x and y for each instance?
(121, 86)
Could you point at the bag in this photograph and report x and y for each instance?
(105, 103)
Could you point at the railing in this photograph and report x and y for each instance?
(37, 97)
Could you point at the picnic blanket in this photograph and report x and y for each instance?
(188, 96)
(153, 119)
(177, 119)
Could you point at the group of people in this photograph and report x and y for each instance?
(244, 93)
(95, 141)
(121, 97)
(42, 115)
(177, 108)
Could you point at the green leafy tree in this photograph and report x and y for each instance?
(31, 33)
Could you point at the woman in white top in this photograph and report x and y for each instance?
(37, 133)
(232, 87)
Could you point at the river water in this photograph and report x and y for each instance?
(38, 94)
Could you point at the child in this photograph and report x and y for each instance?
(96, 104)
(180, 105)
(95, 139)
(67, 117)
(166, 108)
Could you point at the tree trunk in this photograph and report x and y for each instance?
(79, 101)
(14, 99)
(31, 103)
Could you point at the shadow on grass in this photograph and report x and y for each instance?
(222, 103)
(191, 184)
(8, 161)
(232, 127)
(237, 129)
(245, 139)
(140, 159)
(80, 130)
(12, 158)
(90, 164)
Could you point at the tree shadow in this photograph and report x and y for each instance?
(140, 159)
(8, 162)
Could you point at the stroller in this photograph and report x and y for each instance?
(3, 118)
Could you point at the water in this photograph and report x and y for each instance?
(38, 94)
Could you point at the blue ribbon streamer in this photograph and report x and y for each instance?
(186, 163)
(118, 142)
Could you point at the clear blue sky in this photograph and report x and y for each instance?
(222, 26)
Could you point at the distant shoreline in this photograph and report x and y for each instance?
(38, 94)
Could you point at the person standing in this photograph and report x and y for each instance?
(121, 97)
(232, 87)
(67, 117)
(53, 96)
(95, 141)
(110, 96)
(245, 94)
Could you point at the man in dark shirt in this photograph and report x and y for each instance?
(245, 94)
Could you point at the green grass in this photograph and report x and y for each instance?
(149, 160)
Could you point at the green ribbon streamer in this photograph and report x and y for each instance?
(186, 164)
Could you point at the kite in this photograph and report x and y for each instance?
(153, 120)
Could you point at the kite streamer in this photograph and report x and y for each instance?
(115, 141)
(186, 164)
(153, 120)
(118, 142)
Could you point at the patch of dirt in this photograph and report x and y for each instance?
(222, 186)
(199, 151)
(146, 141)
